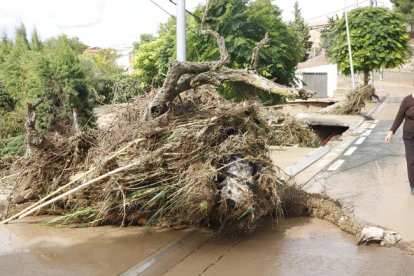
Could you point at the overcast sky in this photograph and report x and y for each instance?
(114, 23)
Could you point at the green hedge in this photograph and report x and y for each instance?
(14, 146)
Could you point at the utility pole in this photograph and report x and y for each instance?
(181, 36)
(349, 48)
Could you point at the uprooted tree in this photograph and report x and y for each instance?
(183, 76)
(242, 24)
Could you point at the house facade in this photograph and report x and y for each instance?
(320, 77)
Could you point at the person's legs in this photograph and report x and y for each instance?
(409, 155)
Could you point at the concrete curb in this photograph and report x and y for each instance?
(308, 160)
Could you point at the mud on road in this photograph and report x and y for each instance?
(299, 246)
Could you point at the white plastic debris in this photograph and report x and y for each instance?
(239, 174)
(384, 237)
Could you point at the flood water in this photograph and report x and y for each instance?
(299, 246)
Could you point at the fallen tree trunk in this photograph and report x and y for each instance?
(183, 76)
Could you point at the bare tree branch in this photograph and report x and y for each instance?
(224, 55)
(31, 113)
(33, 137)
(256, 51)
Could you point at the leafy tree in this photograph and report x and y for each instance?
(103, 62)
(7, 103)
(36, 43)
(21, 38)
(5, 47)
(115, 89)
(75, 44)
(379, 39)
(302, 28)
(144, 38)
(51, 71)
(406, 7)
(64, 84)
(152, 56)
(327, 35)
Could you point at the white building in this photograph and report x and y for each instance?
(320, 77)
(125, 58)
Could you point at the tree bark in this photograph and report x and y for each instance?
(248, 77)
(366, 77)
(256, 51)
(34, 139)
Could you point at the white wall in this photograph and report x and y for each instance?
(124, 59)
(330, 69)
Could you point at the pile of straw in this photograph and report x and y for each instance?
(176, 170)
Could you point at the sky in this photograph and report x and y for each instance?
(118, 23)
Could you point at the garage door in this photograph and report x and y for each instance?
(317, 82)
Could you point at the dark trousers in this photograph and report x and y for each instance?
(408, 137)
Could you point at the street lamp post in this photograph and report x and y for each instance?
(181, 36)
(349, 48)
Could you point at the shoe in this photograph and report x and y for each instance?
(412, 191)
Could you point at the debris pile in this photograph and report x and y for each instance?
(288, 131)
(203, 163)
(355, 100)
(47, 168)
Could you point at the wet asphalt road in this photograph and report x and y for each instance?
(372, 178)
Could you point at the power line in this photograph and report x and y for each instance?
(164, 10)
(187, 11)
(174, 3)
(173, 16)
(337, 11)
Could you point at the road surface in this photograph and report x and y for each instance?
(371, 176)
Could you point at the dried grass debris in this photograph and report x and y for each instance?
(173, 177)
(355, 100)
(286, 130)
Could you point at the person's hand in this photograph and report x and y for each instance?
(388, 137)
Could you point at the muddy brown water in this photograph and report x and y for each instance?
(33, 249)
(297, 247)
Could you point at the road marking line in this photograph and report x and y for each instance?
(360, 140)
(365, 124)
(372, 126)
(336, 165)
(366, 133)
(350, 151)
